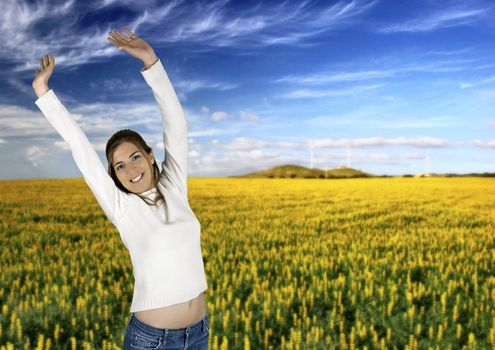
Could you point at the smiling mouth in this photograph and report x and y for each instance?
(137, 178)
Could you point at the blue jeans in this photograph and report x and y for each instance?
(140, 335)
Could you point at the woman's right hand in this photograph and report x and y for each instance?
(40, 82)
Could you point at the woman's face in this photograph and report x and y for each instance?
(129, 162)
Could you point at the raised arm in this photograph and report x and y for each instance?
(112, 200)
(174, 166)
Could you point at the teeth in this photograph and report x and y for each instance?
(136, 179)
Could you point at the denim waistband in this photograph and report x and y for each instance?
(168, 332)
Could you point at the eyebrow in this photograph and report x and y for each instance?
(129, 157)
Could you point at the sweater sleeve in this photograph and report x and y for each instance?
(112, 200)
(174, 166)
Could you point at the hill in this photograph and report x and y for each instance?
(299, 172)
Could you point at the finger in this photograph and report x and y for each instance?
(117, 44)
(112, 40)
(36, 73)
(46, 61)
(122, 36)
(42, 64)
(117, 38)
(52, 59)
(131, 34)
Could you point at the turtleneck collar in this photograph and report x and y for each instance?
(151, 194)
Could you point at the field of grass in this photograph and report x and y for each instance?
(394, 263)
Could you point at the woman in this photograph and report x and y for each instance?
(149, 208)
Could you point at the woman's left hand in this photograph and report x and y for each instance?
(133, 45)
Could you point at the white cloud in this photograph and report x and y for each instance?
(488, 144)
(216, 116)
(437, 19)
(238, 162)
(305, 93)
(249, 116)
(107, 118)
(244, 143)
(117, 85)
(207, 132)
(367, 119)
(283, 23)
(62, 145)
(337, 77)
(187, 86)
(288, 145)
(439, 66)
(20, 121)
(206, 25)
(381, 141)
(193, 154)
(26, 89)
(416, 123)
(97, 120)
(481, 82)
(414, 155)
(35, 154)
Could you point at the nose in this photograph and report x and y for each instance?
(132, 172)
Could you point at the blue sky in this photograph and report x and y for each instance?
(388, 87)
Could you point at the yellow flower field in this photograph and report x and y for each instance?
(382, 263)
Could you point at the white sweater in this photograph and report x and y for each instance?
(164, 241)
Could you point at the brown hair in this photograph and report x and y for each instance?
(127, 135)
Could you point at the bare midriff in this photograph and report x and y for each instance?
(175, 316)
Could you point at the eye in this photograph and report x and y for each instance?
(137, 155)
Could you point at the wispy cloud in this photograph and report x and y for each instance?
(488, 144)
(24, 47)
(478, 83)
(22, 122)
(187, 86)
(381, 141)
(208, 25)
(307, 93)
(264, 24)
(439, 66)
(390, 123)
(18, 85)
(437, 19)
(336, 77)
(434, 122)
(117, 86)
(96, 119)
